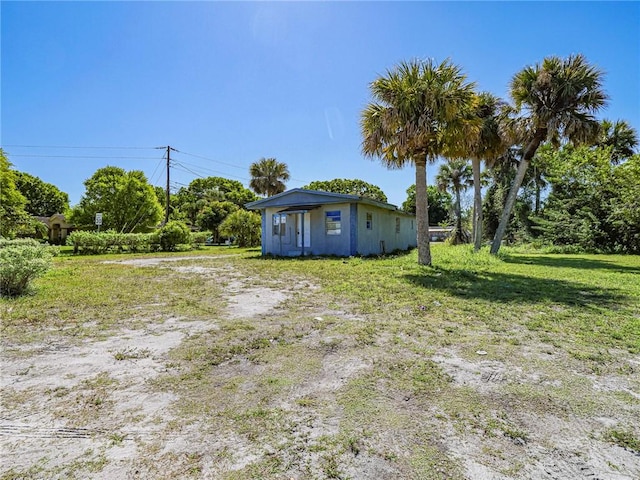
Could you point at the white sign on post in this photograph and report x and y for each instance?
(98, 219)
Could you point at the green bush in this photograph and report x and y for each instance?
(173, 234)
(18, 242)
(198, 239)
(245, 226)
(104, 242)
(20, 264)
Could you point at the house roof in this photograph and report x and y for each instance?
(299, 199)
(55, 218)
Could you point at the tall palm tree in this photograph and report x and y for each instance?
(619, 135)
(456, 175)
(555, 99)
(268, 176)
(487, 147)
(421, 110)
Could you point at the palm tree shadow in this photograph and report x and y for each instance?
(510, 288)
(570, 262)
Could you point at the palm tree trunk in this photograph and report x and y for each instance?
(422, 213)
(477, 205)
(538, 193)
(528, 154)
(459, 238)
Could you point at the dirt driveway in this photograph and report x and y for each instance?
(287, 384)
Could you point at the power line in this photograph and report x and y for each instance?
(245, 168)
(215, 161)
(78, 147)
(203, 169)
(82, 156)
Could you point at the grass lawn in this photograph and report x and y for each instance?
(521, 366)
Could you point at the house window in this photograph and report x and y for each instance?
(369, 221)
(279, 224)
(333, 222)
(397, 224)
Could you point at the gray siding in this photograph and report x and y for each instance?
(382, 235)
(320, 243)
(354, 238)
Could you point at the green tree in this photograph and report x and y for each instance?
(43, 199)
(212, 215)
(439, 204)
(128, 203)
(625, 211)
(245, 226)
(13, 214)
(421, 111)
(498, 180)
(486, 147)
(349, 187)
(456, 175)
(268, 176)
(553, 100)
(190, 201)
(593, 204)
(620, 136)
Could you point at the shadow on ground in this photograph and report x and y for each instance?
(570, 262)
(514, 288)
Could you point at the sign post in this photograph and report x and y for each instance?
(98, 220)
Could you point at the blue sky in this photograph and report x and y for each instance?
(229, 83)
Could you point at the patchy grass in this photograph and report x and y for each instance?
(624, 438)
(369, 363)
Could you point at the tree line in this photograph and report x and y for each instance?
(553, 172)
(424, 110)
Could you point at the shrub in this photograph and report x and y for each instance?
(198, 239)
(137, 242)
(20, 264)
(93, 242)
(173, 234)
(244, 226)
(18, 242)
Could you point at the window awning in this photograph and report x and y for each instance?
(298, 209)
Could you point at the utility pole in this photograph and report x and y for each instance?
(168, 195)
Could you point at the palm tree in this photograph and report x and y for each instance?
(268, 176)
(620, 136)
(456, 175)
(421, 110)
(488, 146)
(555, 99)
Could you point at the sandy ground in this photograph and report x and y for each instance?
(51, 425)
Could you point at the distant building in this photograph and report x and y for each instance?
(440, 234)
(309, 222)
(57, 228)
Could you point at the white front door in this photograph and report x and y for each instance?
(303, 230)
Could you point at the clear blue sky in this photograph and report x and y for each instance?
(234, 82)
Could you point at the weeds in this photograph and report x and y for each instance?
(348, 372)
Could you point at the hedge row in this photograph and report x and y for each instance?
(171, 237)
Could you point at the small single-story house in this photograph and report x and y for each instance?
(302, 222)
(57, 228)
